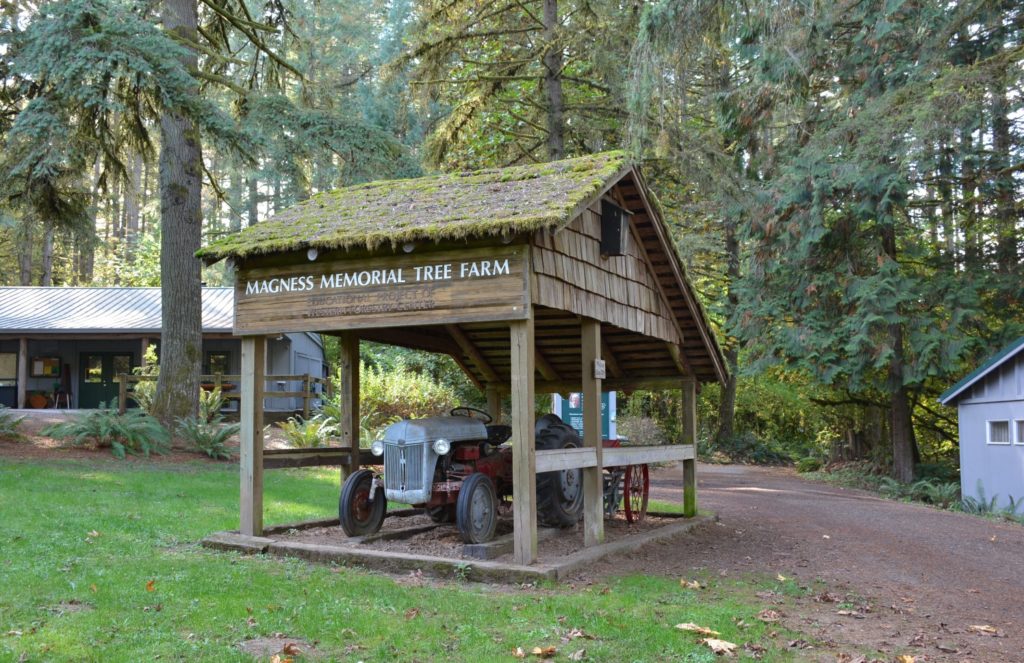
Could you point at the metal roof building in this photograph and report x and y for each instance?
(73, 342)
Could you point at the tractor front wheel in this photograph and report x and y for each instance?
(359, 515)
(476, 513)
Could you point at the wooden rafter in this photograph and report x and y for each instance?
(609, 359)
(544, 367)
(471, 351)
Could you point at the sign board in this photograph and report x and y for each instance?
(429, 287)
(570, 409)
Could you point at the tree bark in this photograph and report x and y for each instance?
(902, 422)
(25, 253)
(553, 82)
(1005, 186)
(254, 201)
(177, 391)
(235, 198)
(46, 263)
(727, 404)
(132, 207)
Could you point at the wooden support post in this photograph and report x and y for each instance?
(349, 399)
(306, 387)
(493, 402)
(22, 371)
(142, 353)
(524, 460)
(593, 481)
(254, 350)
(122, 393)
(690, 437)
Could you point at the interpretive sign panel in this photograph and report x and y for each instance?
(429, 287)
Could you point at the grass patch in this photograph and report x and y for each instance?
(120, 541)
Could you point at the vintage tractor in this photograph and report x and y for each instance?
(458, 468)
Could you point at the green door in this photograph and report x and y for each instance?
(97, 377)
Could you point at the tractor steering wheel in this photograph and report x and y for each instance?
(471, 412)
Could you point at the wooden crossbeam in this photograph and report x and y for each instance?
(472, 352)
(610, 362)
(545, 368)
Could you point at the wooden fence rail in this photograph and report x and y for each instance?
(228, 385)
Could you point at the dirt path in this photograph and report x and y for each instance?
(927, 574)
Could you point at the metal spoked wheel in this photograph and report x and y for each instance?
(636, 490)
(476, 513)
(358, 514)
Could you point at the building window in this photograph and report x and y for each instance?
(218, 362)
(1019, 425)
(999, 432)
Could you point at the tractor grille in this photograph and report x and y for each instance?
(403, 467)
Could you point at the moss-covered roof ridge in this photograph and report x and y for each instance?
(496, 201)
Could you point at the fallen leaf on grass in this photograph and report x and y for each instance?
(578, 655)
(93, 534)
(850, 613)
(946, 649)
(768, 615)
(518, 652)
(93, 588)
(153, 608)
(151, 586)
(251, 621)
(905, 658)
(703, 630)
(983, 628)
(755, 650)
(291, 649)
(412, 613)
(719, 646)
(799, 644)
(576, 633)
(827, 597)
(544, 652)
(843, 657)
(277, 659)
(689, 584)
(781, 578)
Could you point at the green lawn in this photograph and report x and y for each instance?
(98, 532)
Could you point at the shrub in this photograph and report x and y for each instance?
(747, 448)
(9, 424)
(145, 390)
(134, 432)
(808, 464)
(210, 404)
(309, 433)
(208, 437)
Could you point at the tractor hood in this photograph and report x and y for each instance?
(416, 431)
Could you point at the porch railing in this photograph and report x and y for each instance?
(229, 388)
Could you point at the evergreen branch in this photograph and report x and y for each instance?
(258, 43)
(222, 80)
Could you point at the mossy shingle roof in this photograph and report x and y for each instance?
(497, 201)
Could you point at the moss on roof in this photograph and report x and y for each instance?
(496, 201)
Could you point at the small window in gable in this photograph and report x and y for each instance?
(999, 432)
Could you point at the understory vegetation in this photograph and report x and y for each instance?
(134, 432)
(123, 579)
(10, 424)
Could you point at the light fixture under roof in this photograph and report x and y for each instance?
(312, 253)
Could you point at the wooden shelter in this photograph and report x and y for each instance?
(541, 278)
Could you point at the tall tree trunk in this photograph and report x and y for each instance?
(902, 422)
(25, 253)
(132, 199)
(1005, 186)
(46, 263)
(553, 81)
(727, 404)
(254, 201)
(177, 390)
(235, 198)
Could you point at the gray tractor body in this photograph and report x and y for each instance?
(409, 456)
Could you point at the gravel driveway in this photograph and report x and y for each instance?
(926, 574)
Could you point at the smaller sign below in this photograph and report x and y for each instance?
(570, 409)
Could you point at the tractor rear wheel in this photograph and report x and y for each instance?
(358, 515)
(559, 494)
(476, 513)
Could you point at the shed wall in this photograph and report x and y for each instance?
(999, 467)
(1003, 384)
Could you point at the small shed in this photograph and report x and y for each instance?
(78, 340)
(553, 277)
(990, 404)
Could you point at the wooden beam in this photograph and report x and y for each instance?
(556, 460)
(690, 437)
(593, 481)
(472, 352)
(612, 384)
(493, 402)
(254, 350)
(22, 370)
(524, 461)
(664, 453)
(457, 358)
(546, 370)
(614, 369)
(348, 427)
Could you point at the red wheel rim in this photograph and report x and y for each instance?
(637, 487)
(361, 505)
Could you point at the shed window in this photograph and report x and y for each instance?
(218, 362)
(1019, 424)
(999, 432)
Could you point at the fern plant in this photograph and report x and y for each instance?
(309, 433)
(208, 437)
(210, 404)
(9, 424)
(134, 432)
